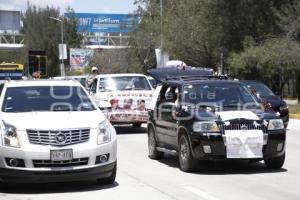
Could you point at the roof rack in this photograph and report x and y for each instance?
(197, 77)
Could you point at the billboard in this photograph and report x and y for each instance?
(10, 20)
(103, 23)
(80, 58)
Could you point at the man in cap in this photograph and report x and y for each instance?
(92, 77)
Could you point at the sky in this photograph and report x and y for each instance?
(83, 6)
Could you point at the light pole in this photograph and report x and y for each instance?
(62, 65)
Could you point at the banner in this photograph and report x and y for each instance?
(80, 58)
(103, 23)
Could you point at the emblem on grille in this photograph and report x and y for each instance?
(244, 127)
(60, 138)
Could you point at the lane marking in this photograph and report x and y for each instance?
(200, 193)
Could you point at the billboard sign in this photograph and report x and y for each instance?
(103, 23)
(80, 58)
(10, 20)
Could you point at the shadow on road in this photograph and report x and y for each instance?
(48, 188)
(122, 129)
(229, 167)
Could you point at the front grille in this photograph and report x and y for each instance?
(63, 163)
(58, 137)
(240, 125)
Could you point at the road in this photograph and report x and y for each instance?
(141, 178)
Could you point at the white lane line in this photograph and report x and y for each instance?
(200, 193)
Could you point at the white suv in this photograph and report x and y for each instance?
(50, 131)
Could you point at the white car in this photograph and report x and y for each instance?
(51, 131)
(124, 97)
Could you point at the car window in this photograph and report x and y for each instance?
(46, 98)
(122, 83)
(223, 94)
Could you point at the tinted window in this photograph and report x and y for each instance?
(124, 83)
(261, 89)
(46, 98)
(223, 94)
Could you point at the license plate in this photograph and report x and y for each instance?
(59, 155)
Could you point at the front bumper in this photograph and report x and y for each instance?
(34, 176)
(127, 116)
(36, 159)
(218, 146)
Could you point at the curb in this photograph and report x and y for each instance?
(295, 116)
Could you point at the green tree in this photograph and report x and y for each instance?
(275, 62)
(43, 33)
(197, 31)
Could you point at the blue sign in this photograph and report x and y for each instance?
(103, 23)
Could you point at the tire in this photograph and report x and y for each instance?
(152, 144)
(275, 163)
(186, 161)
(137, 125)
(109, 180)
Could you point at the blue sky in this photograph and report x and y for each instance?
(88, 6)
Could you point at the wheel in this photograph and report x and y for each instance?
(153, 153)
(275, 163)
(109, 180)
(137, 125)
(186, 161)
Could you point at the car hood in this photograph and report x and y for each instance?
(275, 101)
(54, 120)
(236, 114)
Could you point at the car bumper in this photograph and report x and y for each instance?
(67, 175)
(127, 117)
(218, 146)
(36, 164)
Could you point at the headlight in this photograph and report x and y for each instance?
(275, 124)
(10, 136)
(104, 133)
(206, 126)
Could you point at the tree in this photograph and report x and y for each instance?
(274, 62)
(197, 31)
(44, 34)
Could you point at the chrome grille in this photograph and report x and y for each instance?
(243, 125)
(63, 163)
(58, 137)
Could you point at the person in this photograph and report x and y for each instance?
(91, 78)
(36, 75)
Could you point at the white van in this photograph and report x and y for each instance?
(124, 98)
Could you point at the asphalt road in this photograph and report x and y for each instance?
(138, 177)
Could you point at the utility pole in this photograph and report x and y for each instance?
(161, 25)
(62, 65)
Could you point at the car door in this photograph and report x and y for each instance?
(166, 124)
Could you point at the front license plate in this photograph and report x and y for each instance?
(59, 155)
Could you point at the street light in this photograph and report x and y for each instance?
(62, 66)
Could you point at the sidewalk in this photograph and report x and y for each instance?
(294, 124)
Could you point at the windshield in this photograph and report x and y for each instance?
(262, 89)
(46, 98)
(123, 83)
(220, 94)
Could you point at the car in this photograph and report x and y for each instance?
(207, 118)
(269, 99)
(124, 98)
(52, 131)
